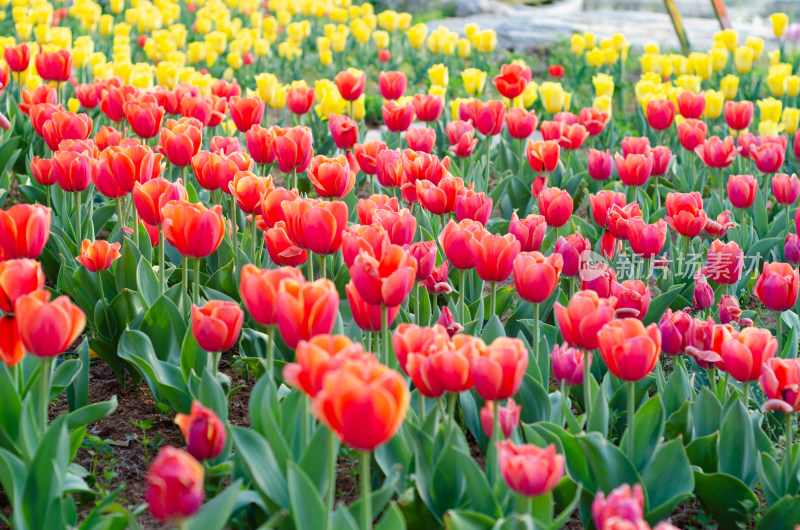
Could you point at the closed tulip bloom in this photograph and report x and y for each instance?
(98, 255)
(363, 403)
(11, 351)
(150, 197)
(385, 281)
(536, 276)
(47, 328)
(660, 113)
(427, 107)
(692, 133)
(543, 155)
(512, 80)
(371, 239)
(17, 57)
(493, 255)
(421, 139)
(316, 226)
(498, 370)
(785, 188)
(194, 230)
(318, 356)
(567, 364)
(54, 66)
(224, 145)
(42, 171)
(528, 231)
(397, 117)
(583, 317)
(769, 156)
(367, 154)
(351, 83)
(118, 169)
(571, 249)
(367, 207)
(107, 137)
(739, 114)
(674, 328)
(331, 177)
(18, 277)
(203, 431)
(529, 470)
(389, 168)
(618, 218)
(180, 140)
(716, 153)
(65, 125)
(629, 349)
(344, 131)
(144, 116)
(73, 171)
(208, 110)
(745, 353)
(791, 248)
(778, 285)
(508, 418)
(462, 138)
(446, 368)
(634, 169)
(260, 144)
(691, 105)
(216, 326)
(647, 240)
(401, 226)
(112, 103)
(248, 189)
(685, 213)
(475, 206)
(633, 299)
(307, 309)
(367, 316)
(729, 310)
(489, 116)
(409, 339)
(259, 291)
(282, 250)
(424, 252)
(662, 156)
(441, 198)
(43, 97)
(780, 379)
(593, 120)
(299, 99)
(246, 112)
(24, 230)
(569, 137)
(556, 206)
(598, 278)
(742, 190)
(455, 242)
(623, 507)
(600, 164)
(796, 144)
(600, 204)
(174, 485)
(725, 262)
(293, 149)
(521, 123)
(392, 84)
(635, 145)
(703, 296)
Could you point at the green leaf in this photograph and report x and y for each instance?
(46, 477)
(726, 498)
(392, 519)
(125, 269)
(307, 508)
(534, 401)
(598, 421)
(91, 413)
(737, 459)
(668, 480)
(467, 520)
(166, 328)
(649, 428)
(706, 413)
(660, 303)
(784, 514)
(214, 514)
(148, 283)
(262, 468)
(702, 452)
(769, 476)
(492, 330)
(610, 466)
(316, 458)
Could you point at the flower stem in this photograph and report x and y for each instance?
(366, 491)
(745, 393)
(44, 391)
(486, 150)
(161, 261)
(779, 332)
(631, 412)
(215, 356)
(310, 264)
(462, 288)
(417, 304)
(492, 301)
(787, 457)
(196, 285)
(234, 229)
(185, 282)
(78, 218)
(253, 237)
(270, 350)
(451, 406)
(331, 477)
(587, 387)
(536, 332)
(385, 333)
(103, 299)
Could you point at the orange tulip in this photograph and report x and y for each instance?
(536, 276)
(583, 317)
(435, 371)
(150, 197)
(24, 230)
(18, 277)
(778, 286)
(54, 66)
(98, 255)
(385, 281)
(194, 230)
(629, 349)
(11, 351)
(350, 84)
(364, 403)
(260, 144)
(745, 353)
(203, 431)
(367, 316)
(498, 370)
(367, 154)
(331, 177)
(216, 171)
(248, 189)
(494, 255)
(314, 225)
(180, 140)
(307, 309)
(319, 355)
(217, 325)
(246, 112)
(47, 328)
(370, 239)
(282, 250)
(455, 241)
(259, 291)
(65, 125)
(397, 117)
(366, 207)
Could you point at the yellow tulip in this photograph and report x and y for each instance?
(643, 90)
(358, 108)
(689, 82)
(603, 85)
(728, 38)
(117, 6)
(577, 44)
(436, 90)
(650, 62)
(719, 58)
(464, 48)
(776, 80)
(790, 120)
(486, 41)
(595, 57)
(590, 39)
(729, 85)
(602, 103)
(474, 81)
(278, 100)
(471, 29)
(553, 96)
(714, 103)
(770, 109)
(361, 30)
(235, 60)
(780, 21)
(404, 21)
(73, 105)
(701, 65)
(388, 20)
(438, 74)
(743, 59)
(266, 85)
(774, 57)
(530, 94)
(652, 48)
(381, 39)
(417, 35)
(769, 128)
(610, 56)
(792, 85)
(757, 45)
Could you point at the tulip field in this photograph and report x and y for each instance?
(315, 265)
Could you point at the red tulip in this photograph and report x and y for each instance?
(582, 319)
(725, 262)
(331, 177)
(498, 370)
(796, 145)
(512, 80)
(745, 353)
(601, 203)
(299, 99)
(769, 156)
(24, 231)
(385, 281)
(739, 114)
(674, 328)
(529, 231)
(488, 117)
(65, 125)
(600, 164)
(316, 226)
(203, 431)
(150, 197)
(344, 131)
(259, 290)
(118, 169)
(493, 255)
(660, 113)
(568, 364)
(691, 105)
(662, 156)
(556, 71)
(367, 154)
(54, 66)
(461, 136)
(571, 250)
(598, 278)
(475, 206)
(307, 309)
(569, 137)
(543, 155)
(366, 207)
(785, 188)
(742, 190)
(427, 107)
(112, 102)
(87, 95)
(529, 470)
(421, 139)
(389, 168)
(633, 299)
(18, 277)
(791, 248)
(718, 227)
(508, 418)
(521, 123)
(246, 112)
(260, 144)
(144, 116)
(618, 218)
(556, 206)
(635, 145)
(593, 120)
(401, 226)
(282, 250)
(98, 255)
(685, 213)
(367, 316)
(436, 283)
(47, 328)
(716, 153)
(350, 83)
(647, 240)
(318, 356)
(634, 169)
(622, 509)
(107, 137)
(174, 485)
(778, 285)
(729, 310)
(17, 57)
(208, 110)
(42, 171)
(180, 140)
(194, 230)
(392, 84)
(536, 276)
(780, 379)
(41, 94)
(703, 296)
(396, 117)
(293, 149)
(443, 366)
(370, 239)
(629, 349)
(224, 145)
(216, 326)
(692, 133)
(216, 172)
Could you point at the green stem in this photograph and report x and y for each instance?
(161, 261)
(103, 299)
(215, 356)
(451, 406)
(78, 217)
(587, 386)
(185, 283)
(536, 331)
(44, 391)
(310, 263)
(253, 238)
(234, 229)
(196, 284)
(331, 478)
(721, 188)
(787, 457)
(270, 350)
(486, 151)
(417, 289)
(528, 503)
(366, 490)
(779, 332)
(712, 379)
(462, 288)
(745, 393)
(385, 333)
(631, 412)
(563, 412)
(492, 301)
(324, 265)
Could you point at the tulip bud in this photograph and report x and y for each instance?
(204, 432)
(508, 418)
(529, 470)
(703, 297)
(568, 364)
(174, 485)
